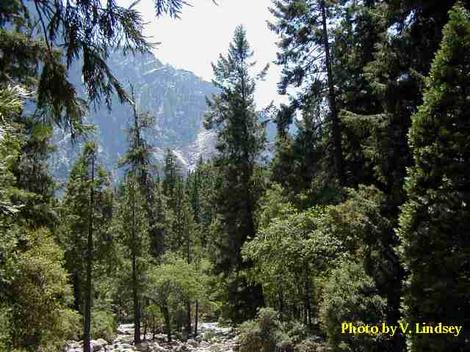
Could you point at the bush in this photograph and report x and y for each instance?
(350, 296)
(311, 346)
(297, 332)
(103, 325)
(39, 317)
(264, 334)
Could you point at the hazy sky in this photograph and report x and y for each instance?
(205, 30)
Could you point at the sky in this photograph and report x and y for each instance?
(204, 30)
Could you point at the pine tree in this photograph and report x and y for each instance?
(172, 175)
(306, 58)
(434, 223)
(358, 33)
(33, 312)
(84, 228)
(91, 156)
(182, 229)
(307, 148)
(138, 161)
(139, 176)
(240, 140)
(132, 226)
(402, 61)
(283, 163)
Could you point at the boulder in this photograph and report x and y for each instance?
(98, 345)
(192, 343)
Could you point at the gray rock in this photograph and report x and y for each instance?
(192, 342)
(98, 345)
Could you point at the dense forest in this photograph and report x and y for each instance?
(359, 214)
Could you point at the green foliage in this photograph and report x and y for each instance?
(56, 98)
(297, 255)
(33, 284)
(240, 139)
(350, 295)
(173, 284)
(130, 221)
(264, 334)
(288, 253)
(75, 216)
(103, 325)
(434, 221)
(40, 319)
(131, 224)
(175, 281)
(273, 205)
(10, 144)
(298, 24)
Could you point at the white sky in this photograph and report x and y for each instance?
(205, 30)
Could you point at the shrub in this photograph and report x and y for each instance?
(311, 346)
(40, 320)
(264, 334)
(350, 295)
(103, 325)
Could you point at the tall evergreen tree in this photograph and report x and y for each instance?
(402, 60)
(33, 283)
(172, 175)
(85, 215)
(284, 163)
(240, 140)
(132, 225)
(435, 221)
(358, 33)
(137, 162)
(305, 55)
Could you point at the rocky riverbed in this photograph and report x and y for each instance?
(212, 338)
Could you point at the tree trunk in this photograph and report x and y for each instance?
(77, 299)
(89, 263)
(335, 123)
(135, 296)
(308, 307)
(145, 328)
(135, 283)
(196, 318)
(166, 316)
(188, 303)
(188, 319)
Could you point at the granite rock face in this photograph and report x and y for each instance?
(176, 98)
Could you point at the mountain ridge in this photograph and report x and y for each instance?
(175, 97)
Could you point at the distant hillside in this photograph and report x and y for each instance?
(175, 97)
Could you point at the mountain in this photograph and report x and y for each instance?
(177, 99)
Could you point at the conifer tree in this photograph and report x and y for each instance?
(283, 164)
(33, 312)
(435, 220)
(90, 30)
(140, 181)
(132, 226)
(138, 161)
(240, 140)
(401, 62)
(358, 33)
(172, 175)
(305, 55)
(85, 216)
